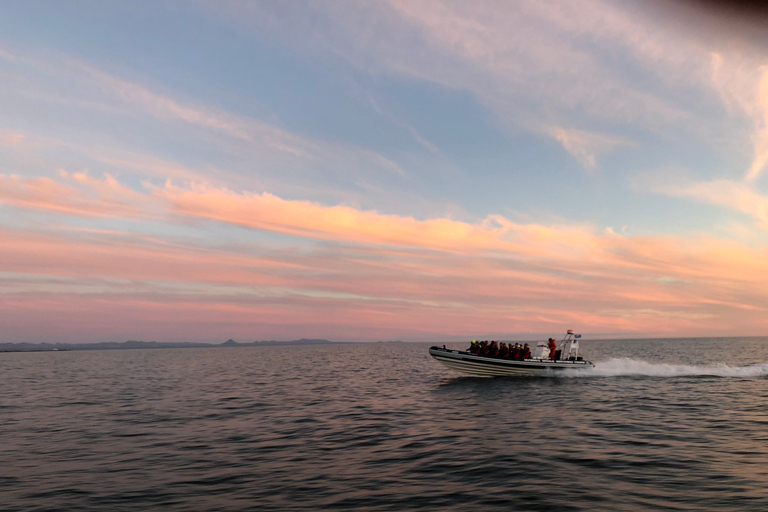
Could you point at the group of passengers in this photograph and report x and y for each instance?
(501, 349)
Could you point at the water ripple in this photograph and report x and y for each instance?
(383, 427)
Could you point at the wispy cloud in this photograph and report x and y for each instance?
(584, 146)
(80, 194)
(70, 83)
(743, 83)
(505, 52)
(11, 139)
(531, 63)
(375, 104)
(6, 55)
(733, 195)
(433, 275)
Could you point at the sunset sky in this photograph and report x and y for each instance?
(362, 171)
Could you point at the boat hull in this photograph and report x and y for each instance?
(491, 366)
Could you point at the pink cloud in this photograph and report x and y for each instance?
(11, 139)
(80, 195)
(387, 275)
(304, 218)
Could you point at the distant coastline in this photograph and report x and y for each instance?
(132, 344)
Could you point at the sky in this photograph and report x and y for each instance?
(384, 170)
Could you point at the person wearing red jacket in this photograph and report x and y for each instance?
(552, 348)
(526, 352)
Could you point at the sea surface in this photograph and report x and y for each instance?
(675, 424)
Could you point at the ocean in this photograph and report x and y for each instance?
(675, 424)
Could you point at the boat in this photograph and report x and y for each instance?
(566, 358)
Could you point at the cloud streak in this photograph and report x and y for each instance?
(75, 89)
(11, 139)
(743, 83)
(584, 146)
(395, 274)
(79, 195)
(737, 196)
(553, 64)
(505, 51)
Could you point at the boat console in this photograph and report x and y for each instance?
(568, 349)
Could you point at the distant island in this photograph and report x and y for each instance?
(127, 345)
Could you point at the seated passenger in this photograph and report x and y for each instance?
(526, 352)
(493, 350)
(503, 349)
(472, 347)
(515, 352)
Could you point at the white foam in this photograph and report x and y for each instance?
(624, 366)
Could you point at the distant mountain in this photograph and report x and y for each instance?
(133, 344)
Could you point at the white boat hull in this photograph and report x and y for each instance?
(491, 366)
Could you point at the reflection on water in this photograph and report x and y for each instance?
(657, 425)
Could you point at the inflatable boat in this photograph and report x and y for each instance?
(566, 358)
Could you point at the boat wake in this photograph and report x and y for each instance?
(630, 367)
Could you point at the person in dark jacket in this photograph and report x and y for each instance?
(503, 349)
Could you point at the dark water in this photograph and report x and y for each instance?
(384, 427)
